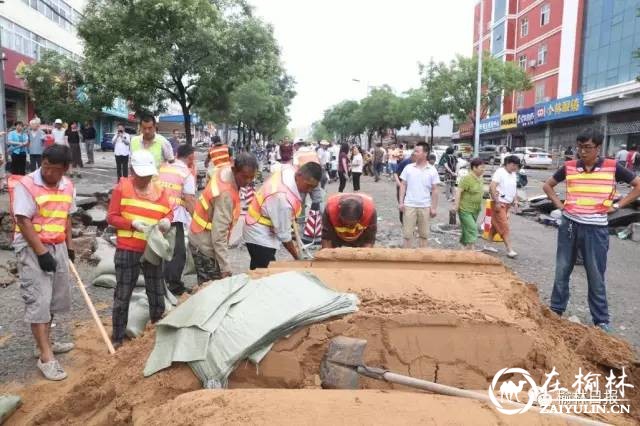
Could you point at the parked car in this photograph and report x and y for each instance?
(489, 154)
(533, 157)
(107, 142)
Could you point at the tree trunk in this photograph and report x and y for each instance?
(187, 123)
(226, 134)
(431, 139)
(238, 135)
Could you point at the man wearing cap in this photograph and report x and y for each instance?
(137, 202)
(349, 220)
(59, 133)
(159, 147)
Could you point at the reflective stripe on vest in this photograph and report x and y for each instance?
(133, 208)
(171, 177)
(349, 233)
(273, 186)
(155, 149)
(219, 155)
(50, 221)
(201, 214)
(590, 193)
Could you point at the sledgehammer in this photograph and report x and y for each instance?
(342, 365)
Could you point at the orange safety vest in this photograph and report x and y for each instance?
(50, 221)
(219, 155)
(274, 185)
(590, 192)
(350, 233)
(203, 211)
(134, 208)
(171, 177)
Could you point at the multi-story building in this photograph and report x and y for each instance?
(579, 56)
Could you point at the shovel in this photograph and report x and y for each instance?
(304, 252)
(342, 365)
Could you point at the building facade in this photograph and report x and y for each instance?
(579, 56)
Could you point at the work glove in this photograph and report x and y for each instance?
(139, 225)
(164, 225)
(72, 254)
(47, 262)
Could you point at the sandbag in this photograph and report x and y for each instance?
(8, 405)
(139, 311)
(109, 281)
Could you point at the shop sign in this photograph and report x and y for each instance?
(571, 106)
(526, 117)
(13, 63)
(491, 124)
(466, 130)
(509, 121)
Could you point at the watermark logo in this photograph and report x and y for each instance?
(585, 396)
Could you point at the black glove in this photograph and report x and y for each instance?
(47, 262)
(72, 254)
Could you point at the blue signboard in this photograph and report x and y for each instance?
(571, 106)
(118, 109)
(491, 124)
(526, 117)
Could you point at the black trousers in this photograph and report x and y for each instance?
(260, 256)
(76, 155)
(343, 181)
(356, 180)
(35, 161)
(173, 268)
(122, 166)
(19, 164)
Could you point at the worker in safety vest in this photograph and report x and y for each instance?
(137, 202)
(180, 185)
(273, 209)
(216, 212)
(150, 141)
(591, 185)
(349, 220)
(218, 156)
(42, 203)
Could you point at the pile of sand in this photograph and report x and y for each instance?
(455, 318)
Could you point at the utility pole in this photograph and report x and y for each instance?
(476, 140)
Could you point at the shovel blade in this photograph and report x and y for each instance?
(339, 365)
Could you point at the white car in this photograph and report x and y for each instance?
(439, 151)
(533, 157)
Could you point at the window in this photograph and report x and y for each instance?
(519, 99)
(524, 27)
(545, 15)
(57, 11)
(23, 41)
(540, 92)
(522, 62)
(542, 54)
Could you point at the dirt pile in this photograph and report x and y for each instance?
(455, 318)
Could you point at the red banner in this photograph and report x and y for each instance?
(13, 62)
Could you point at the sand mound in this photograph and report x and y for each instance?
(429, 314)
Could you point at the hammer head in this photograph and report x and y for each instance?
(339, 365)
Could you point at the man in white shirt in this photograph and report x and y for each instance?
(58, 133)
(121, 141)
(503, 189)
(621, 156)
(418, 196)
(325, 158)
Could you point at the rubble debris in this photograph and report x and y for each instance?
(98, 214)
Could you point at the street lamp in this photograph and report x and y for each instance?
(476, 139)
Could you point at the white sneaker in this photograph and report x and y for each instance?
(52, 370)
(512, 254)
(56, 348)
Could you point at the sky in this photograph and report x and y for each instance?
(328, 43)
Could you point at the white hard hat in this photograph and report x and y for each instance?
(143, 163)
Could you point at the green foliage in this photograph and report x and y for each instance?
(383, 109)
(319, 132)
(55, 86)
(343, 119)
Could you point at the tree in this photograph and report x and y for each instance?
(458, 84)
(55, 86)
(192, 52)
(343, 119)
(427, 103)
(319, 132)
(383, 110)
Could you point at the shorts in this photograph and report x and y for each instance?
(416, 216)
(44, 293)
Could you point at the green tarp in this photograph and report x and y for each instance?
(238, 318)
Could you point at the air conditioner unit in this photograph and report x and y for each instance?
(532, 63)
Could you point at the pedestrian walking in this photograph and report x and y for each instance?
(633, 158)
(174, 140)
(180, 186)
(121, 143)
(18, 146)
(36, 144)
(357, 163)
(216, 212)
(274, 208)
(58, 133)
(343, 166)
(503, 189)
(151, 141)
(468, 203)
(42, 204)
(89, 136)
(450, 163)
(72, 139)
(591, 185)
(137, 202)
(349, 220)
(621, 156)
(324, 156)
(378, 161)
(418, 196)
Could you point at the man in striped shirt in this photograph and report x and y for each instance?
(591, 185)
